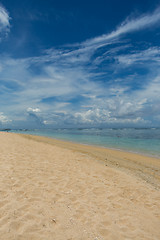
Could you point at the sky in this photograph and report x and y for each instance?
(79, 63)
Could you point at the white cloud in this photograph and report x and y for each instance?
(34, 110)
(104, 116)
(4, 21)
(4, 119)
(4, 17)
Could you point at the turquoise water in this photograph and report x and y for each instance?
(145, 141)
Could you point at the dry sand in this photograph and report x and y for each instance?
(54, 190)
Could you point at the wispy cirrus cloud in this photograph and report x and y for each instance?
(129, 25)
(81, 53)
(150, 55)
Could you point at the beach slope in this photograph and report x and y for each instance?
(51, 189)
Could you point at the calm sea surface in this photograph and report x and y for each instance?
(145, 141)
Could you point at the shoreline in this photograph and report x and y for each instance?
(146, 167)
(95, 145)
(55, 189)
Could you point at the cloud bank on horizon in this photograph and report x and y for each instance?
(109, 80)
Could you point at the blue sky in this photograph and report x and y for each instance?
(79, 63)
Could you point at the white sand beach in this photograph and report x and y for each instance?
(57, 190)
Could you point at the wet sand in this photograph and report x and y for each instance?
(52, 189)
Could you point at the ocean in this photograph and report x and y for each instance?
(139, 140)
